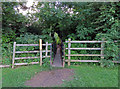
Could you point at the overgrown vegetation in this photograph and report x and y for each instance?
(75, 20)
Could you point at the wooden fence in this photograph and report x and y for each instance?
(101, 53)
(35, 51)
(69, 60)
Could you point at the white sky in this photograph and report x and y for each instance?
(28, 4)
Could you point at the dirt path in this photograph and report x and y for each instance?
(50, 78)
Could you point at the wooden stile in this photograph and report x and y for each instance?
(14, 46)
(40, 45)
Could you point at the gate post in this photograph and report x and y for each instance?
(40, 47)
(13, 60)
(69, 45)
(46, 49)
(64, 57)
(102, 49)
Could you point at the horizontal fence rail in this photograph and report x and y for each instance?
(84, 55)
(84, 48)
(26, 63)
(89, 61)
(4, 66)
(27, 51)
(30, 44)
(30, 57)
(70, 49)
(85, 41)
(27, 44)
(83, 60)
(101, 49)
(37, 51)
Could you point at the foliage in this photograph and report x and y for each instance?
(57, 38)
(28, 38)
(13, 21)
(12, 25)
(7, 41)
(108, 22)
(76, 20)
(52, 19)
(46, 62)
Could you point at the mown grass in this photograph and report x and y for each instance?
(16, 77)
(85, 76)
(93, 76)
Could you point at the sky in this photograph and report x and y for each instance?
(28, 4)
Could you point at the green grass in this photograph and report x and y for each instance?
(85, 76)
(93, 76)
(16, 77)
(0, 78)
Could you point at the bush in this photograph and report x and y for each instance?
(7, 47)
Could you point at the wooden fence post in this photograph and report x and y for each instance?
(14, 46)
(46, 49)
(69, 45)
(102, 49)
(64, 57)
(40, 45)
